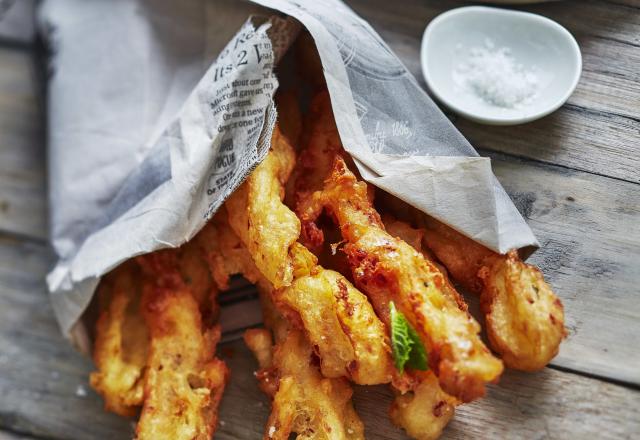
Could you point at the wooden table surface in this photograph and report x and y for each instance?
(575, 175)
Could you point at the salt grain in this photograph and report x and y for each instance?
(81, 391)
(494, 76)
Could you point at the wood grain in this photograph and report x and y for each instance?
(596, 131)
(22, 152)
(6, 435)
(43, 381)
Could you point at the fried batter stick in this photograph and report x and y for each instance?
(322, 145)
(388, 269)
(525, 319)
(184, 379)
(425, 410)
(421, 407)
(121, 343)
(224, 252)
(257, 215)
(304, 402)
(337, 318)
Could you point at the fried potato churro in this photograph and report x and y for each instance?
(184, 381)
(224, 252)
(525, 319)
(256, 207)
(425, 411)
(388, 269)
(121, 343)
(304, 402)
(340, 323)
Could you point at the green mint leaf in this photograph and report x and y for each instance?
(400, 340)
(406, 345)
(418, 356)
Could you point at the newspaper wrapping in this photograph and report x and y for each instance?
(158, 110)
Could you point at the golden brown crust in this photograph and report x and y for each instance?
(121, 343)
(524, 318)
(184, 380)
(387, 268)
(224, 252)
(257, 206)
(340, 324)
(461, 256)
(304, 402)
(425, 411)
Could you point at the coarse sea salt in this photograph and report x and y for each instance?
(493, 75)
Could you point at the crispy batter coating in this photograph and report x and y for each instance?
(320, 408)
(184, 381)
(224, 252)
(197, 276)
(426, 409)
(462, 256)
(525, 319)
(342, 326)
(387, 269)
(256, 207)
(259, 342)
(424, 412)
(304, 402)
(323, 143)
(415, 238)
(340, 323)
(121, 343)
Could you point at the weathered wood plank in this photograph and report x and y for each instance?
(22, 151)
(43, 381)
(6, 435)
(596, 132)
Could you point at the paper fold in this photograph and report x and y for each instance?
(148, 134)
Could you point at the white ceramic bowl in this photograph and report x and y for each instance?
(535, 43)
